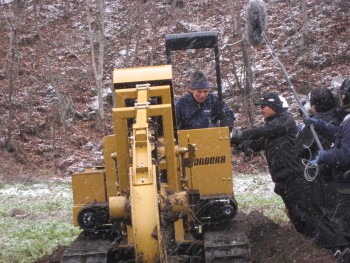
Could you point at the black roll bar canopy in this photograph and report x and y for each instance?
(196, 40)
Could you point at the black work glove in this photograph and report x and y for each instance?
(236, 137)
(245, 147)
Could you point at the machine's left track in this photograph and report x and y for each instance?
(96, 248)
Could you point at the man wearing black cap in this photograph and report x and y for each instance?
(277, 138)
(201, 109)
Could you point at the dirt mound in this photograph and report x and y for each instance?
(270, 242)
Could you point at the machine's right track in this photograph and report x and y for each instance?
(227, 245)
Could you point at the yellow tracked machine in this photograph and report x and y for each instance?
(164, 195)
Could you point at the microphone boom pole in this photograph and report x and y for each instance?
(274, 56)
(256, 28)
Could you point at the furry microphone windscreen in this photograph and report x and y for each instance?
(256, 21)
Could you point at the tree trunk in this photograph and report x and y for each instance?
(129, 35)
(248, 74)
(306, 31)
(12, 56)
(43, 49)
(97, 59)
(248, 85)
(154, 40)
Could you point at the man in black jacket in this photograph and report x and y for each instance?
(338, 159)
(277, 138)
(324, 197)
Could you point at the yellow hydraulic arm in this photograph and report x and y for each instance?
(143, 186)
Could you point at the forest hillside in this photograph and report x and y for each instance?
(57, 58)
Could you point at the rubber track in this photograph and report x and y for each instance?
(227, 245)
(87, 250)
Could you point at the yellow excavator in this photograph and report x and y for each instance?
(164, 195)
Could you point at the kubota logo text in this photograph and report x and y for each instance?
(210, 160)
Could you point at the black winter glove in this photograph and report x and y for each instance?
(245, 147)
(237, 136)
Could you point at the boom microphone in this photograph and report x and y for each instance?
(256, 21)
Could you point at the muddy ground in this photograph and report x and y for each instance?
(270, 242)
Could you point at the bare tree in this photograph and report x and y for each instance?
(12, 58)
(64, 101)
(155, 24)
(97, 46)
(135, 24)
(306, 31)
(129, 34)
(44, 52)
(138, 37)
(248, 85)
(248, 74)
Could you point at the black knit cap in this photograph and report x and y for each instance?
(199, 80)
(271, 100)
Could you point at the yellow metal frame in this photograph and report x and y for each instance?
(136, 171)
(164, 110)
(131, 76)
(112, 182)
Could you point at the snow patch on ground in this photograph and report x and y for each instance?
(36, 190)
(255, 184)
